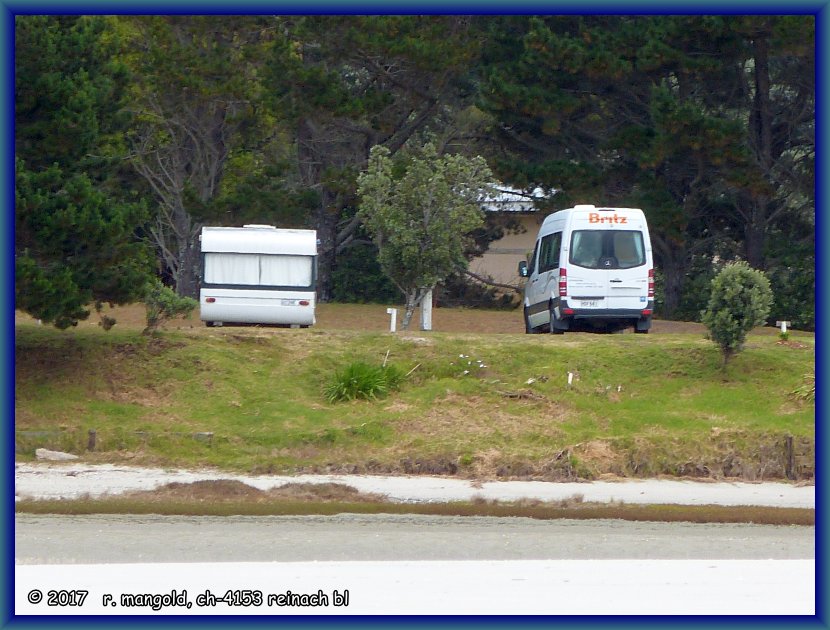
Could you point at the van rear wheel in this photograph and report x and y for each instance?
(553, 328)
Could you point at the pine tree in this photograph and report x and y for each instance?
(75, 227)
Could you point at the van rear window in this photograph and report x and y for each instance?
(607, 249)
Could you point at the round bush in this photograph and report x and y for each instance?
(740, 300)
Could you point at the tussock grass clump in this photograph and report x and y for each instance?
(807, 390)
(359, 380)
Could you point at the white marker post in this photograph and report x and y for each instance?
(426, 311)
(393, 313)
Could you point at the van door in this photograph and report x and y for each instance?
(544, 279)
(628, 279)
(587, 272)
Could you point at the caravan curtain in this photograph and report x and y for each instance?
(258, 270)
(285, 271)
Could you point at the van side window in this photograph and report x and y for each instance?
(533, 258)
(549, 252)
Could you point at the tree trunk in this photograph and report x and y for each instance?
(326, 225)
(760, 131)
(187, 280)
(411, 304)
(672, 289)
(755, 235)
(186, 237)
(311, 150)
(672, 258)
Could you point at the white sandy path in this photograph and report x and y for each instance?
(39, 480)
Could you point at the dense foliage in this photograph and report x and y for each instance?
(740, 300)
(75, 219)
(132, 132)
(420, 215)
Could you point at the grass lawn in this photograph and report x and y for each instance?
(473, 404)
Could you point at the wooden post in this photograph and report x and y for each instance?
(790, 457)
(90, 445)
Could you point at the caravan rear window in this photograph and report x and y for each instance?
(258, 270)
(607, 249)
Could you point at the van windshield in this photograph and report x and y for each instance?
(607, 249)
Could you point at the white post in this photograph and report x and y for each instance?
(783, 326)
(393, 312)
(426, 311)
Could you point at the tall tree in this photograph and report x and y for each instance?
(420, 214)
(628, 110)
(777, 89)
(194, 102)
(349, 83)
(75, 231)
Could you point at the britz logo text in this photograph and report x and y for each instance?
(594, 217)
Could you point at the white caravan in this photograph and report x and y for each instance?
(258, 274)
(591, 268)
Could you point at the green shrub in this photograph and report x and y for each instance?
(163, 303)
(807, 390)
(360, 380)
(739, 301)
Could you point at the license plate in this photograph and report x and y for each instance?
(589, 303)
(288, 302)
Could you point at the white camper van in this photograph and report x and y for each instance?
(591, 268)
(258, 274)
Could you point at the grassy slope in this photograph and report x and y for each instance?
(638, 405)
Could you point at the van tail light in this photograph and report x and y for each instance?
(210, 300)
(651, 283)
(563, 282)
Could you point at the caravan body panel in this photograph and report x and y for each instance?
(258, 275)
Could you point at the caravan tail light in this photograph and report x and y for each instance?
(651, 283)
(563, 282)
(304, 302)
(210, 300)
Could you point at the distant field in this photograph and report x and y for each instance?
(474, 404)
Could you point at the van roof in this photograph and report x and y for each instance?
(581, 209)
(259, 239)
(603, 208)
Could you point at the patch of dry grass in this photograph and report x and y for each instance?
(229, 497)
(229, 490)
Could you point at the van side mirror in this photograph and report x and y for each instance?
(523, 268)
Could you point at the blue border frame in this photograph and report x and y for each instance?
(9, 8)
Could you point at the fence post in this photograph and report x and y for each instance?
(790, 455)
